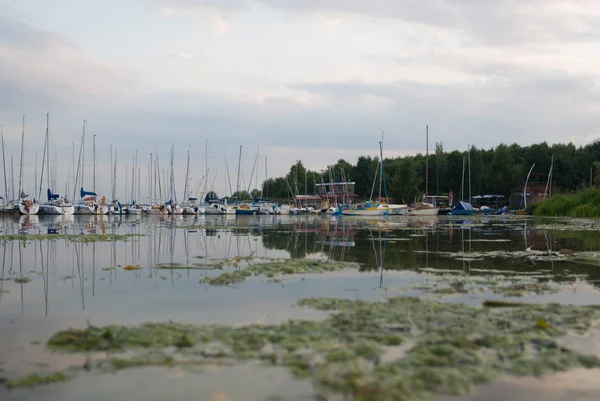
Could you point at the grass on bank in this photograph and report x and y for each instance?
(582, 204)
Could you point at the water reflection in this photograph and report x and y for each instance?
(188, 248)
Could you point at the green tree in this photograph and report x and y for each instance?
(404, 182)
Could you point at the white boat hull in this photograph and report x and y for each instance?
(64, 210)
(85, 209)
(193, 210)
(156, 211)
(430, 211)
(32, 210)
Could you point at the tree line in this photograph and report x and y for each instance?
(497, 170)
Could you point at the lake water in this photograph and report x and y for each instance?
(76, 283)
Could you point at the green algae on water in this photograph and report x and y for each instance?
(273, 269)
(36, 379)
(22, 280)
(450, 348)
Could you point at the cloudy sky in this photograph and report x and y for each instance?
(297, 79)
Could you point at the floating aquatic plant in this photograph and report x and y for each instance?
(451, 348)
(132, 267)
(36, 379)
(22, 280)
(273, 269)
(71, 237)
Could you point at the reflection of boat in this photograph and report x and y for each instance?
(28, 221)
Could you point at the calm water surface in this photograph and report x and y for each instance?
(73, 283)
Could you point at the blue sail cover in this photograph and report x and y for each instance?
(83, 193)
(192, 199)
(463, 206)
(51, 196)
(170, 202)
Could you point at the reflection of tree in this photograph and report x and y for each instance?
(405, 248)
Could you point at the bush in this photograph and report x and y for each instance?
(583, 204)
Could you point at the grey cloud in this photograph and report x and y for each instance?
(490, 22)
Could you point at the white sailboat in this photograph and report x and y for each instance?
(26, 206)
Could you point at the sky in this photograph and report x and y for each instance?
(288, 79)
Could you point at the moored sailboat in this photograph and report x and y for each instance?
(56, 205)
(89, 204)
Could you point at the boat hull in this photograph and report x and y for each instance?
(367, 212)
(31, 210)
(63, 210)
(84, 209)
(463, 212)
(432, 211)
(245, 212)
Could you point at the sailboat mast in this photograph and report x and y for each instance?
(138, 177)
(35, 188)
(73, 166)
(158, 174)
(381, 170)
(462, 183)
(187, 175)
(12, 174)
(48, 160)
(265, 188)
(43, 160)
(132, 179)
(78, 164)
(426, 161)
(469, 160)
(228, 177)
(237, 189)
(21, 164)
(4, 166)
(110, 171)
(114, 190)
(83, 153)
(150, 171)
(173, 192)
(94, 166)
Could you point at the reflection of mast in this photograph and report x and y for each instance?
(80, 272)
(21, 274)
(3, 265)
(45, 273)
(93, 268)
